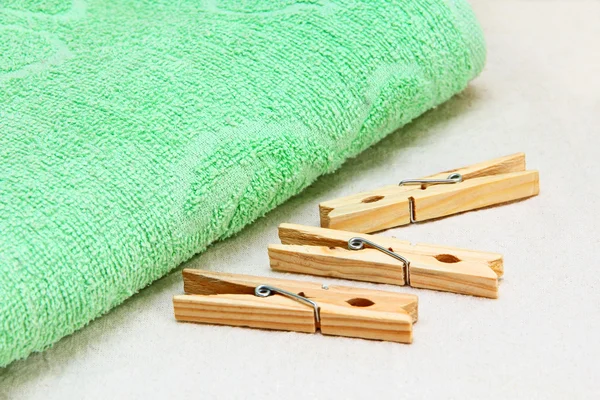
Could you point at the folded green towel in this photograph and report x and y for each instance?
(135, 133)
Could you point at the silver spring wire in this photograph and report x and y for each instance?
(358, 243)
(266, 291)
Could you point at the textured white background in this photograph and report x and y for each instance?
(540, 93)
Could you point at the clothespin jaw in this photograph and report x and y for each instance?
(231, 299)
(325, 252)
(481, 185)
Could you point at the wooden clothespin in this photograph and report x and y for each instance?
(481, 185)
(269, 303)
(376, 258)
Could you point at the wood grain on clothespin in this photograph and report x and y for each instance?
(485, 184)
(325, 252)
(229, 299)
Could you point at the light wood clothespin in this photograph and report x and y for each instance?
(269, 303)
(481, 185)
(375, 258)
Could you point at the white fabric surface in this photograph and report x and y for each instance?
(540, 93)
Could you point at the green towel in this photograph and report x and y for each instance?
(135, 133)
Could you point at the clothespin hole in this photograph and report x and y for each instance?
(301, 294)
(360, 302)
(447, 258)
(372, 199)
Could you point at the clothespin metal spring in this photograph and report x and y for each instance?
(266, 291)
(358, 243)
(452, 178)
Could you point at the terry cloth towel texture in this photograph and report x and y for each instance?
(135, 133)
